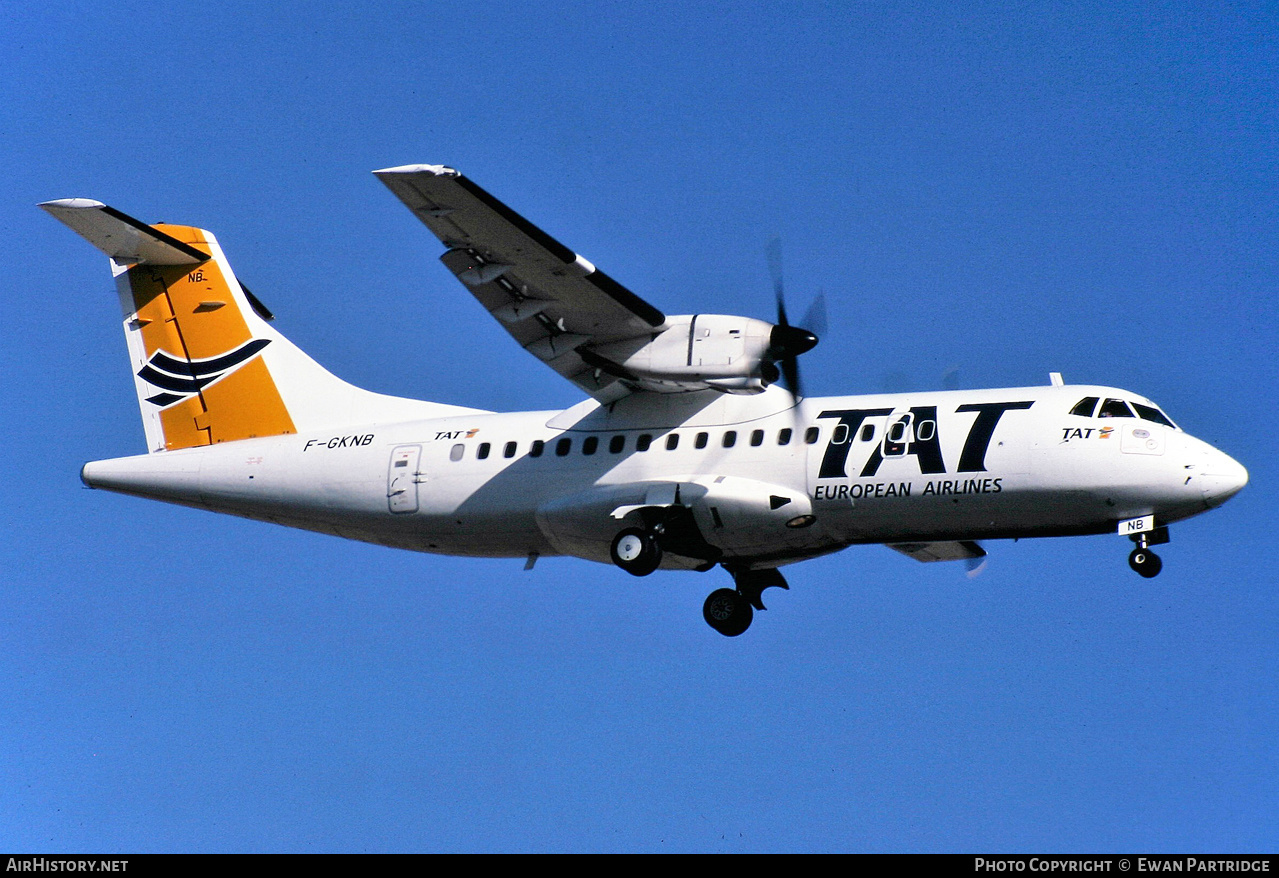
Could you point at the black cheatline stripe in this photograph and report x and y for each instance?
(157, 234)
(164, 399)
(626, 298)
(198, 368)
(558, 250)
(170, 382)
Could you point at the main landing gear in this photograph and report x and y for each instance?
(636, 551)
(729, 611)
(1144, 561)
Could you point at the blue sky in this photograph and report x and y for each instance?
(1002, 189)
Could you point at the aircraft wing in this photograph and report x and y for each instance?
(555, 303)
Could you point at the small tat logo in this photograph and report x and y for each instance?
(183, 378)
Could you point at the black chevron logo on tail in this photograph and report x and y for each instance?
(181, 378)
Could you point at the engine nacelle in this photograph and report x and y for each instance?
(700, 351)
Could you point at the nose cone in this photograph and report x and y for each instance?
(1222, 478)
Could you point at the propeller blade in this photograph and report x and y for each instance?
(976, 565)
(787, 342)
(774, 253)
(815, 317)
(790, 376)
(896, 382)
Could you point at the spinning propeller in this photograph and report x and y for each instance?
(786, 341)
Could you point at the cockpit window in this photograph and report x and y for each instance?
(1150, 413)
(1115, 408)
(1085, 406)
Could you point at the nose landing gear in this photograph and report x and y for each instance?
(1144, 561)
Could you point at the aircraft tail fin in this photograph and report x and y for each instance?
(208, 366)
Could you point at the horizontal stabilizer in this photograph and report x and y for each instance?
(207, 366)
(953, 551)
(126, 240)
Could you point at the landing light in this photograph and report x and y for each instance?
(801, 521)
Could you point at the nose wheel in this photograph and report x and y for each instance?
(1144, 561)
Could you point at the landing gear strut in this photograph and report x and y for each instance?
(729, 610)
(1144, 561)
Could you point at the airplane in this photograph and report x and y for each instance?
(695, 447)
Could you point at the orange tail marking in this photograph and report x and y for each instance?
(189, 313)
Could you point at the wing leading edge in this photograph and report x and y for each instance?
(555, 303)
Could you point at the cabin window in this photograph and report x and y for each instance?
(702, 439)
(899, 433)
(1150, 413)
(456, 452)
(839, 435)
(783, 436)
(617, 444)
(590, 444)
(1085, 406)
(482, 452)
(1115, 408)
(643, 441)
(925, 430)
(672, 442)
(563, 447)
(868, 432)
(535, 450)
(757, 437)
(509, 450)
(810, 435)
(730, 439)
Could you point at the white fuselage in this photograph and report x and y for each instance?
(767, 482)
